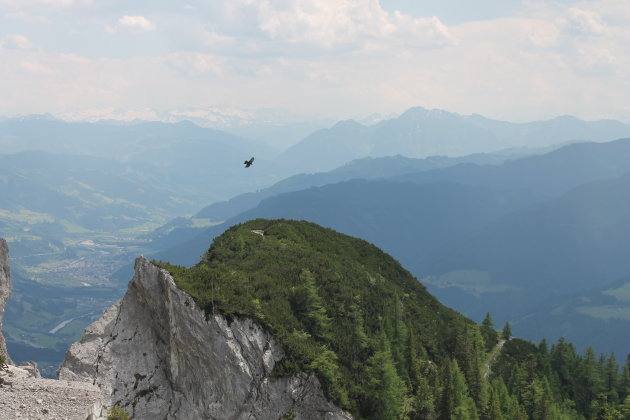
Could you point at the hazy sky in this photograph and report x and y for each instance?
(516, 60)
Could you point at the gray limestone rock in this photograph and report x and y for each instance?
(31, 368)
(156, 354)
(5, 290)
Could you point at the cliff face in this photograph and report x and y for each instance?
(155, 354)
(5, 289)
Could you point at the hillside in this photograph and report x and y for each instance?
(366, 168)
(555, 250)
(84, 192)
(596, 315)
(381, 346)
(408, 220)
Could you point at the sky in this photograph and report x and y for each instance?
(514, 60)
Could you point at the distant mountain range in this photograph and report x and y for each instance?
(206, 158)
(551, 173)
(420, 133)
(201, 160)
(182, 229)
(365, 168)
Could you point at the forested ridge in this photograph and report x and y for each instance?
(381, 345)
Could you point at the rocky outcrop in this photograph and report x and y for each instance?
(156, 354)
(23, 395)
(5, 289)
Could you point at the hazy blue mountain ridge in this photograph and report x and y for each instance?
(191, 157)
(549, 173)
(569, 243)
(405, 219)
(365, 168)
(420, 133)
(552, 173)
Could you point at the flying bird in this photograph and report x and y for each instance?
(249, 163)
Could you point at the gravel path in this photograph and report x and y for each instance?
(492, 357)
(23, 396)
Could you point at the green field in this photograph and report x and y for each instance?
(474, 282)
(606, 311)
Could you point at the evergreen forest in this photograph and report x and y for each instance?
(380, 344)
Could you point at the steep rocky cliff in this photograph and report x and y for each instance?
(156, 354)
(5, 289)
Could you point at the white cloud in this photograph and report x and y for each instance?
(16, 42)
(36, 69)
(344, 23)
(132, 24)
(213, 39)
(196, 64)
(585, 23)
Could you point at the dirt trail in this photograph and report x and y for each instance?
(492, 357)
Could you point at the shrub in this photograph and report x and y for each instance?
(117, 413)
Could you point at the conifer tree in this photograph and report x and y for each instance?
(624, 386)
(612, 379)
(446, 406)
(488, 332)
(487, 321)
(507, 331)
(309, 306)
(602, 410)
(589, 381)
(463, 405)
(492, 409)
(384, 390)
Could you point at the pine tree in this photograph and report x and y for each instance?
(463, 405)
(624, 409)
(492, 409)
(612, 379)
(309, 306)
(447, 404)
(488, 332)
(624, 386)
(507, 331)
(589, 383)
(602, 410)
(564, 361)
(384, 391)
(487, 321)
